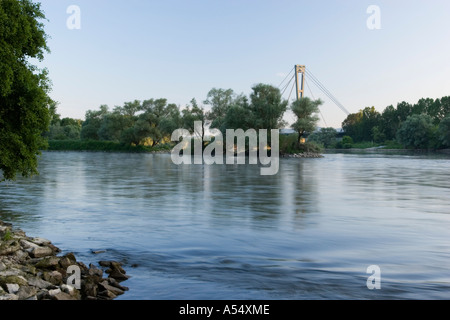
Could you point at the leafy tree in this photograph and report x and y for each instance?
(416, 132)
(352, 124)
(389, 123)
(306, 111)
(93, 122)
(220, 101)
(267, 107)
(444, 132)
(24, 101)
(326, 137)
(190, 115)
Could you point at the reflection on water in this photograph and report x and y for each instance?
(226, 232)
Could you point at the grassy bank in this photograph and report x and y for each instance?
(100, 146)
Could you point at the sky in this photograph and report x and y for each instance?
(180, 49)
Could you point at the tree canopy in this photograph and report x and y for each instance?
(24, 100)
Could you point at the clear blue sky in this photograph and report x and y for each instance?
(180, 49)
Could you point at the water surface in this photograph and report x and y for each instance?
(225, 232)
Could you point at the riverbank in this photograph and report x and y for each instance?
(101, 146)
(30, 269)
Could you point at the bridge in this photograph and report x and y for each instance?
(298, 77)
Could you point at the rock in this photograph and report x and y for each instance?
(54, 277)
(117, 275)
(53, 292)
(89, 288)
(70, 290)
(9, 297)
(63, 296)
(26, 292)
(2, 266)
(12, 288)
(116, 284)
(40, 252)
(107, 294)
(105, 264)
(48, 262)
(28, 244)
(67, 260)
(41, 241)
(21, 255)
(9, 247)
(39, 283)
(106, 286)
(98, 251)
(19, 280)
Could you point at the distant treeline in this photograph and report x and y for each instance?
(151, 122)
(424, 125)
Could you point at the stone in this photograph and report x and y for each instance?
(63, 296)
(48, 262)
(12, 288)
(28, 244)
(116, 284)
(39, 283)
(26, 292)
(40, 252)
(54, 291)
(21, 255)
(107, 294)
(117, 275)
(106, 286)
(9, 297)
(54, 277)
(2, 266)
(19, 280)
(41, 241)
(9, 247)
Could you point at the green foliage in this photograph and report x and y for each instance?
(24, 102)
(444, 132)
(305, 111)
(369, 125)
(417, 132)
(101, 146)
(347, 142)
(289, 145)
(8, 235)
(267, 107)
(325, 137)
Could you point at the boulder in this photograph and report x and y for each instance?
(40, 252)
(26, 292)
(48, 262)
(12, 288)
(9, 247)
(54, 277)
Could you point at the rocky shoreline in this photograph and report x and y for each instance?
(303, 155)
(30, 269)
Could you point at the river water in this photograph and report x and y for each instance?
(226, 232)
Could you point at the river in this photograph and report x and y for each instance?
(226, 232)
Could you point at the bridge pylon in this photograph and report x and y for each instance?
(300, 80)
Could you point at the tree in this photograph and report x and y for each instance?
(93, 122)
(306, 111)
(220, 101)
(444, 132)
(267, 107)
(24, 101)
(389, 123)
(326, 136)
(416, 132)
